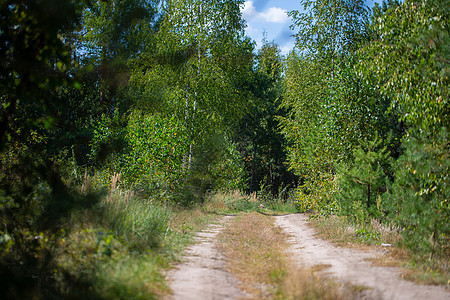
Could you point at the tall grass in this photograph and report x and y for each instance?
(116, 249)
(142, 222)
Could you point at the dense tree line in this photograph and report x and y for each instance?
(367, 93)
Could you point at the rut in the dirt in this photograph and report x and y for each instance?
(203, 274)
(351, 265)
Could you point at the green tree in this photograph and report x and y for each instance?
(409, 62)
(261, 144)
(115, 34)
(34, 63)
(320, 82)
(196, 73)
(331, 106)
(35, 59)
(365, 181)
(418, 198)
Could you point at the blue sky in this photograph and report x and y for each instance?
(270, 16)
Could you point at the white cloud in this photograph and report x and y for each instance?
(249, 10)
(271, 15)
(275, 15)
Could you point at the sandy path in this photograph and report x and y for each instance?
(203, 273)
(349, 265)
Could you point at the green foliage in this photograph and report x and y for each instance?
(108, 140)
(314, 196)
(365, 181)
(219, 164)
(328, 28)
(307, 151)
(326, 118)
(156, 152)
(257, 134)
(330, 106)
(32, 39)
(368, 236)
(418, 199)
(115, 34)
(34, 200)
(196, 72)
(409, 61)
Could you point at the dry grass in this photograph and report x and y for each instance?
(388, 234)
(338, 231)
(87, 185)
(189, 221)
(216, 203)
(256, 253)
(341, 232)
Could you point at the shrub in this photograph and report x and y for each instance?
(156, 152)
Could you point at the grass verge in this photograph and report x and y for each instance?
(121, 248)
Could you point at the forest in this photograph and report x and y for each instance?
(120, 120)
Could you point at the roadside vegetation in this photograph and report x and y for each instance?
(367, 124)
(125, 126)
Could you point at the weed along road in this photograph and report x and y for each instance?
(228, 262)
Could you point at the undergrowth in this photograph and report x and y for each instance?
(117, 248)
(235, 202)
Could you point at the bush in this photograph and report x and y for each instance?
(157, 149)
(315, 196)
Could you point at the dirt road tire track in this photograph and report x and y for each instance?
(350, 265)
(203, 273)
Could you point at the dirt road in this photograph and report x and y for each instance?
(203, 274)
(350, 265)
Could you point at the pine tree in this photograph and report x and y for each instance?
(364, 181)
